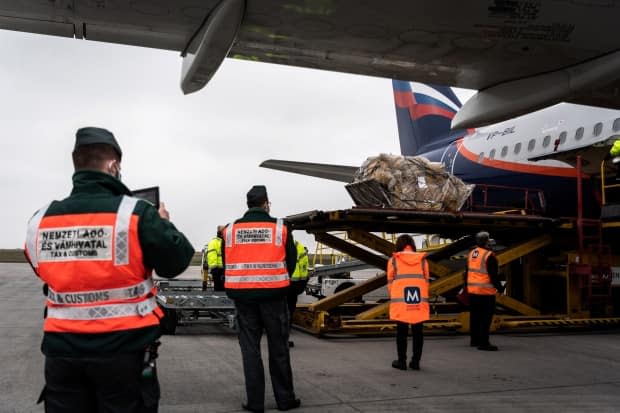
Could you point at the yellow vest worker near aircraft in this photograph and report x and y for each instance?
(615, 153)
(299, 279)
(215, 264)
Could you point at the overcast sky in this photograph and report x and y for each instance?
(202, 150)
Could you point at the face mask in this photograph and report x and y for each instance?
(116, 174)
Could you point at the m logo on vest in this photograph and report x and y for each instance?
(412, 295)
(475, 254)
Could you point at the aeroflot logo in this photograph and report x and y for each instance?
(412, 295)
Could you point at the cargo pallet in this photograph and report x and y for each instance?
(185, 303)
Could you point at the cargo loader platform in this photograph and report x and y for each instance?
(549, 277)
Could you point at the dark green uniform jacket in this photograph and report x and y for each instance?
(165, 249)
(260, 215)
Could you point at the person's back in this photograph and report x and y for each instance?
(259, 254)
(408, 279)
(95, 251)
(299, 280)
(214, 260)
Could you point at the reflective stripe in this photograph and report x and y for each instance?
(399, 276)
(32, 235)
(256, 265)
(229, 235)
(104, 311)
(402, 300)
(121, 230)
(255, 278)
(85, 297)
(279, 225)
(484, 285)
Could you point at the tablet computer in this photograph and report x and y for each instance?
(148, 194)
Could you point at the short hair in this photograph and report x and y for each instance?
(403, 240)
(482, 238)
(93, 156)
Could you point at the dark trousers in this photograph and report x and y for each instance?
(402, 330)
(218, 279)
(481, 308)
(296, 288)
(252, 317)
(106, 384)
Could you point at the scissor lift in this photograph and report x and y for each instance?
(526, 242)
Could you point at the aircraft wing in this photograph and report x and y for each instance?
(591, 157)
(521, 55)
(340, 173)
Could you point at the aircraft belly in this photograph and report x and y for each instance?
(560, 192)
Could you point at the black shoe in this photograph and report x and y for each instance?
(488, 347)
(293, 404)
(414, 365)
(249, 409)
(400, 364)
(291, 344)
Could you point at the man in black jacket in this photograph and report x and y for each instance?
(259, 256)
(95, 250)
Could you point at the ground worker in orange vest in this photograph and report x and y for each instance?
(482, 285)
(407, 274)
(95, 251)
(259, 257)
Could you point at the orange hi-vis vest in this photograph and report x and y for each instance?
(93, 266)
(256, 255)
(478, 279)
(407, 275)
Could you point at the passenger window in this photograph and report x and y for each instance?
(518, 147)
(480, 157)
(546, 141)
(598, 128)
(579, 133)
(531, 145)
(562, 137)
(616, 125)
(492, 154)
(504, 151)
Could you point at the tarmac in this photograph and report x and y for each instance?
(200, 368)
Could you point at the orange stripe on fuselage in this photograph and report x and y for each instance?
(518, 167)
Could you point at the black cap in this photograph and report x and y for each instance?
(257, 195)
(91, 135)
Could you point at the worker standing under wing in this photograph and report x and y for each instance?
(95, 250)
(259, 256)
(214, 260)
(299, 280)
(482, 285)
(408, 278)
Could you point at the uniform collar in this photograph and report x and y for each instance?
(88, 181)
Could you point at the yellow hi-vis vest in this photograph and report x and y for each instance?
(478, 279)
(301, 269)
(407, 275)
(615, 149)
(214, 253)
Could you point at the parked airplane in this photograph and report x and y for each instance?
(521, 152)
(521, 55)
